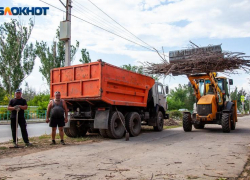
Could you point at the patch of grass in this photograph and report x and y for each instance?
(3, 148)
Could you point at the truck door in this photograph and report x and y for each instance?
(162, 96)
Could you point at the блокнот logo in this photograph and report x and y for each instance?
(15, 11)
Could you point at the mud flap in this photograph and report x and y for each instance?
(101, 119)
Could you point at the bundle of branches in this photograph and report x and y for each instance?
(200, 61)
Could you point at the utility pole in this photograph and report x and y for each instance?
(65, 32)
(68, 42)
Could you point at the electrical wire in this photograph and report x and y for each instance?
(79, 10)
(118, 28)
(120, 24)
(98, 26)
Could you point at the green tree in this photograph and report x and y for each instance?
(181, 97)
(17, 57)
(54, 56)
(28, 93)
(137, 69)
(41, 100)
(85, 56)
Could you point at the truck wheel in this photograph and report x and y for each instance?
(92, 130)
(103, 133)
(159, 122)
(72, 130)
(116, 129)
(199, 126)
(66, 131)
(187, 124)
(226, 123)
(82, 131)
(133, 124)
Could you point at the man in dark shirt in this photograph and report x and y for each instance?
(18, 103)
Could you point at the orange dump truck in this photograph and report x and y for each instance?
(100, 96)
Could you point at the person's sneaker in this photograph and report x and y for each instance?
(53, 142)
(15, 144)
(28, 144)
(62, 142)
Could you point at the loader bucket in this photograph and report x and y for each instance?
(184, 55)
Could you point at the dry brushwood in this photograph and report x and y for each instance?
(202, 62)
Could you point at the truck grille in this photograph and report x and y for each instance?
(204, 109)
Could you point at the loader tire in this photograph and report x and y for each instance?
(133, 124)
(103, 133)
(115, 127)
(233, 125)
(199, 126)
(226, 123)
(187, 124)
(159, 122)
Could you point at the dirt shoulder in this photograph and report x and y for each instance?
(42, 143)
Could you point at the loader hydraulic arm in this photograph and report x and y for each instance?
(195, 86)
(217, 90)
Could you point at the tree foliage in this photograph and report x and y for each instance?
(236, 95)
(17, 56)
(41, 100)
(85, 56)
(28, 93)
(54, 56)
(138, 69)
(181, 97)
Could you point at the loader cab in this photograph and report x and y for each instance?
(205, 87)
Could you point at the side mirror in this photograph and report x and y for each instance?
(231, 82)
(167, 90)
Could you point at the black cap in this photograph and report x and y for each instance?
(18, 90)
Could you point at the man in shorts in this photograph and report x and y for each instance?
(57, 116)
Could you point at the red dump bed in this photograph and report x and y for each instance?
(100, 81)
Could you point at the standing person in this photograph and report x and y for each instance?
(18, 103)
(58, 116)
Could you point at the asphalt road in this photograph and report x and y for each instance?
(36, 129)
(171, 154)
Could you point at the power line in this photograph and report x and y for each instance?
(97, 26)
(113, 26)
(120, 24)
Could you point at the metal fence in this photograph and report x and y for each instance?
(28, 114)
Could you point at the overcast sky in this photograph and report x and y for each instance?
(170, 24)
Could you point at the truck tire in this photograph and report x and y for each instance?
(92, 130)
(133, 124)
(226, 123)
(66, 131)
(115, 127)
(159, 122)
(187, 124)
(82, 131)
(199, 126)
(103, 133)
(74, 131)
